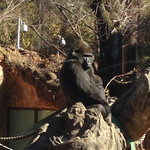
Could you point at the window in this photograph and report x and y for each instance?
(20, 120)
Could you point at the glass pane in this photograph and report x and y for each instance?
(44, 113)
(19, 121)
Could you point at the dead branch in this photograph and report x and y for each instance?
(62, 7)
(120, 76)
(68, 20)
(11, 9)
(51, 45)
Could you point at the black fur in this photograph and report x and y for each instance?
(78, 81)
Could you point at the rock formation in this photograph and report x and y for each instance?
(80, 128)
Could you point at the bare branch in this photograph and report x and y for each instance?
(68, 20)
(52, 45)
(121, 75)
(77, 17)
(11, 10)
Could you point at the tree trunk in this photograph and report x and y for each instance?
(115, 58)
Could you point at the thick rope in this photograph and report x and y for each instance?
(19, 137)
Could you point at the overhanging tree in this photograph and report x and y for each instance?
(118, 24)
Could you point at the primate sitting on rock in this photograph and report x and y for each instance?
(78, 81)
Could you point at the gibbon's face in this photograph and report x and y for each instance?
(84, 54)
